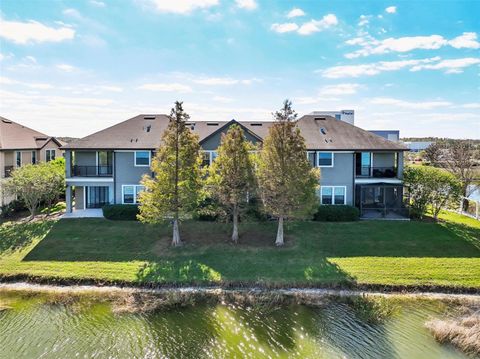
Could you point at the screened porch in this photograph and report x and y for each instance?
(381, 201)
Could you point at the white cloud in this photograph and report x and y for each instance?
(295, 12)
(313, 26)
(40, 86)
(372, 46)
(7, 81)
(72, 13)
(97, 3)
(215, 81)
(285, 27)
(471, 105)
(110, 88)
(246, 4)
(222, 99)
(180, 6)
(391, 9)
(364, 20)
(466, 40)
(452, 66)
(428, 105)
(371, 69)
(339, 89)
(65, 67)
(166, 87)
(33, 32)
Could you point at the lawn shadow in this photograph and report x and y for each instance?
(17, 235)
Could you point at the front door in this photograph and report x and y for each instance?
(96, 196)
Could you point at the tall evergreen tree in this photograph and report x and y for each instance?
(173, 191)
(231, 176)
(287, 181)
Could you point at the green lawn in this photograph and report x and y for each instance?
(367, 252)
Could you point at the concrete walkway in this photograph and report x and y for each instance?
(85, 213)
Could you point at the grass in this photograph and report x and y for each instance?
(416, 254)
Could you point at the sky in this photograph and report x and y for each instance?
(71, 68)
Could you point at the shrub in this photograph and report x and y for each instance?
(255, 211)
(123, 212)
(336, 213)
(15, 206)
(209, 210)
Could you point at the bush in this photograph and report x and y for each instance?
(209, 210)
(123, 212)
(15, 206)
(336, 213)
(255, 211)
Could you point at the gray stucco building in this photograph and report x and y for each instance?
(357, 167)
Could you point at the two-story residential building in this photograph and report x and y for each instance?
(358, 168)
(20, 145)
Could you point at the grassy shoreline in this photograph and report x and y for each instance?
(390, 256)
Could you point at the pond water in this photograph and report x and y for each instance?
(30, 328)
(474, 191)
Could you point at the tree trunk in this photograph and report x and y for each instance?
(176, 234)
(235, 224)
(279, 241)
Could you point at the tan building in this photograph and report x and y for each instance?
(20, 145)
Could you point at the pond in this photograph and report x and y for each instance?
(474, 192)
(31, 327)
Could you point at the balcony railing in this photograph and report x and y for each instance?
(8, 170)
(92, 171)
(376, 172)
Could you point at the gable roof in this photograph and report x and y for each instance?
(14, 136)
(145, 132)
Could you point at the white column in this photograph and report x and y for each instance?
(68, 198)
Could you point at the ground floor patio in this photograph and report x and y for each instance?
(381, 201)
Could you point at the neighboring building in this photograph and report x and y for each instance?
(417, 146)
(343, 115)
(20, 145)
(391, 135)
(358, 167)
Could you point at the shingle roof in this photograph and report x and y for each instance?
(328, 133)
(145, 132)
(14, 136)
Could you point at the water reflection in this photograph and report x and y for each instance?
(33, 329)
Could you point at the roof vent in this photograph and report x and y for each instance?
(149, 117)
(212, 123)
(4, 120)
(256, 124)
(320, 118)
(147, 128)
(323, 131)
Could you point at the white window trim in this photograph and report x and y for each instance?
(134, 192)
(54, 154)
(333, 194)
(135, 158)
(16, 162)
(210, 153)
(318, 158)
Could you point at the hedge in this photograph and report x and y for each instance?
(336, 213)
(124, 212)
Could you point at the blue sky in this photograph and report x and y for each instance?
(75, 67)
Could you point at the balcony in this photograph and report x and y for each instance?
(92, 171)
(8, 171)
(376, 172)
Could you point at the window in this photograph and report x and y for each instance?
(49, 155)
(208, 157)
(326, 195)
(142, 158)
(325, 159)
(130, 193)
(138, 189)
(333, 195)
(338, 116)
(311, 158)
(34, 157)
(18, 158)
